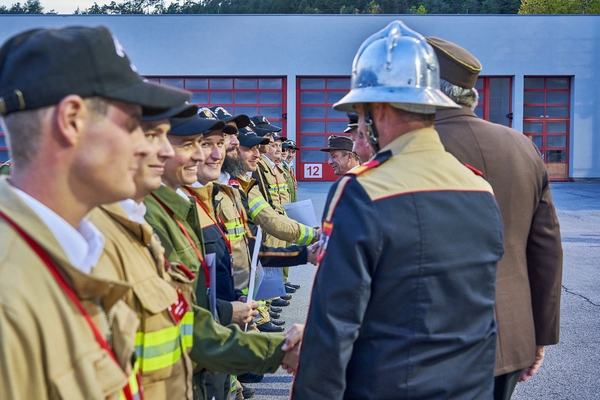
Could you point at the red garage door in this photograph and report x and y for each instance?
(242, 95)
(316, 121)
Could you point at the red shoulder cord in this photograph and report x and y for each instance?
(187, 235)
(227, 241)
(71, 294)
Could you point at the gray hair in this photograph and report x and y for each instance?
(24, 128)
(460, 95)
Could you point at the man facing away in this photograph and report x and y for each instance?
(415, 235)
(528, 282)
(72, 103)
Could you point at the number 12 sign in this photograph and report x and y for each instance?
(313, 171)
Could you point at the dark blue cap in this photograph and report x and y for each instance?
(194, 125)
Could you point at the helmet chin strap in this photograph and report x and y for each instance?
(371, 129)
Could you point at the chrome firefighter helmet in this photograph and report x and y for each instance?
(396, 65)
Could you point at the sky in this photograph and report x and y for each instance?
(60, 6)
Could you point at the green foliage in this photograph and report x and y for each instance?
(29, 7)
(560, 7)
(420, 10)
(324, 7)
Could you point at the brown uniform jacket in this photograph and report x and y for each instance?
(47, 349)
(528, 282)
(132, 253)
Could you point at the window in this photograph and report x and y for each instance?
(316, 121)
(495, 96)
(241, 95)
(546, 120)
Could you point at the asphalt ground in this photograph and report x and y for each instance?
(571, 370)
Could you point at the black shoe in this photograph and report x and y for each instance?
(276, 309)
(289, 289)
(278, 322)
(248, 392)
(274, 315)
(269, 327)
(280, 303)
(293, 285)
(286, 297)
(250, 377)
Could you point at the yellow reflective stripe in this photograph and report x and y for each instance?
(187, 329)
(233, 385)
(235, 230)
(163, 348)
(132, 381)
(306, 235)
(256, 206)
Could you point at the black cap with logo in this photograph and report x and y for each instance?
(240, 120)
(248, 138)
(262, 126)
(207, 113)
(40, 67)
(352, 122)
(290, 144)
(194, 125)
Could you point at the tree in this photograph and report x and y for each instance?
(420, 10)
(560, 7)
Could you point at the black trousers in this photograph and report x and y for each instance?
(504, 385)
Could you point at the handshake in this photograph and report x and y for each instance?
(291, 347)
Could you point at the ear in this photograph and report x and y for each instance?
(71, 118)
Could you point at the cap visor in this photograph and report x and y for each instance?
(151, 96)
(241, 120)
(183, 111)
(194, 126)
(253, 141)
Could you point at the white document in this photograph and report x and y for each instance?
(253, 266)
(303, 212)
(211, 262)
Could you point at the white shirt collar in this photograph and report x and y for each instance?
(182, 194)
(83, 246)
(269, 160)
(135, 211)
(249, 173)
(224, 178)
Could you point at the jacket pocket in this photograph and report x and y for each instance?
(96, 376)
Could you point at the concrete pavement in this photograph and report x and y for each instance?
(571, 369)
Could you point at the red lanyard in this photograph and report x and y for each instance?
(227, 241)
(187, 235)
(69, 292)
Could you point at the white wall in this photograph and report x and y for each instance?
(290, 45)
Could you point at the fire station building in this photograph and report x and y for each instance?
(541, 73)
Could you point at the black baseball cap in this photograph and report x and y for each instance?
(262, 126)
(183, 111)
(290, 144)
(194, 125)
(207, 113)
(40, 67)
(240, 120)
(282, 138)
(248, 138)
(352, 122)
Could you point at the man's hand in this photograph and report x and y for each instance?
(243, 313)
(312, 252)
(317, 234)
(293, 338)
(540, 352)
